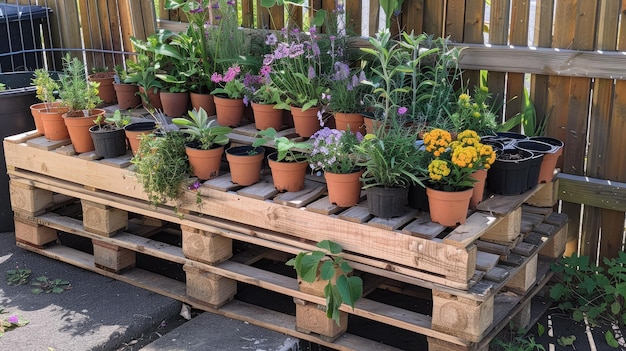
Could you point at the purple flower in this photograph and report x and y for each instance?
(231, 74)
(217, 18)
(231, 2)
(246, 101)
(265, 70)
(216, 78)
(402, 110)
(198, 10)
(215, 5)
(271, 39)
(311, 74)
(13, 319)
(342, 71)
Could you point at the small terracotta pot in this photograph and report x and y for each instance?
(205, 164)
(350, 121)
(266, 116)
(229, 111)
(479, 188)
(245, 164)
(175, 104)
(78, 128)
(53, 123)
(106, 91)
(344, 190)
(154, 98)
(305, 122)
(204, 101)
(135, 130)
(287, 176)
(127, 96)
(448, 208)
(35, 110)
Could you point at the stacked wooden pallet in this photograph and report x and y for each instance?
(477, 275)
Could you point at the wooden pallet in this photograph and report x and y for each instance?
(476, 275)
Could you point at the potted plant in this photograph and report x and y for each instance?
(175, 65)
(391, 161)
(450, 168)
(474, 113)
(334, 152)
(161, 166)
(143, 73)
(105, 78)
(325, 273)
(126, 93)
(109, 138)
(264, 98)
(228, 96)
(80, 96)
(289, 163)
(245, 164)
(49, 111)
(345, 97)
(135, 131)
(205, 143)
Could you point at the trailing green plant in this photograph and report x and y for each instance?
(18, 276)
(11, 322)
(161, 166)
(46, 285)
(76, 92)
(592, 292)
(341, 286)
(203, 132)
(287, 150)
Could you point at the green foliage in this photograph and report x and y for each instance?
(161, 166)
(588, 291)
(346, 288)
(390, 6)
(75, 91)
(288, 150)
(118, 119)
(202, 130)
(45, 85)
(519, 341)
(56, 286)
(527, 118)
(3, 87)
(18, 276)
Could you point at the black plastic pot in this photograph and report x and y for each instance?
(386, 202)
(108, 143)
(417, 198)
(539, 149)
(510, 176)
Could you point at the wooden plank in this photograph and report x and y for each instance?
(543, 38)
(374, 14)
(354, 10)
(497, 274)
(498, 34)
(502, 205)
(323, 206)
(45, 144)
(423, 227)
(247, 13)
(300, 198)
(395, 222)
(434, 17)
(23, 137)
(520, 10)
(592, 192)
(357, 214)
(454, 21)
(221, 183)
(472, 229)
(473, 32)
(486, 261)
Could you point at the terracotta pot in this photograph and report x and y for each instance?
(550, 159)
(175, 104)
(386, 202)
(108, 143)
(127, 96)
(245, 164)
(371, 124)
(479, 188)
(350, 121)
(266, 116)
(448, 208)
(344, 190)
(35, 112)
(287, 176)
(53, 123)
(78, 128)
(106, 91)
(205, 164)
(229, 111)
(134, 131)
(306, 123)
(205, 101)
(154, 98)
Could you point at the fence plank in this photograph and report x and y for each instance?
(543, 38)
(473, 33)
(433, 17)
(498, 34)
(455, 20)
(413, 16)
(375, 12)
(520, 10)
(354, 10)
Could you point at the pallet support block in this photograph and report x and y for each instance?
(555, 247)
(103, 220)
(311, 318)
(33, 234)
(112, 258)
(29, 199)
(206, 247)
(209, 288)
(507, 229)
(547, 196)
(524, 278)
(521, 320)
(462, 317)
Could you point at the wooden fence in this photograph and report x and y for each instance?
(569, 54)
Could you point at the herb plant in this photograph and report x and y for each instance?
(18, 276)
(346, 289)
(202, 131)
(44, 284)
(75, 91)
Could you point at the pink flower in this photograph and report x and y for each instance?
(402, 110)
(13, 319)
(216, 78)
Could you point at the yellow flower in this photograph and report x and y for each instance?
(438, 169)
(476, 114)
(369, 136)
(464, 98)
(464, 156)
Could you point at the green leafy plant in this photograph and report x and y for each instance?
(328, 265)
(206, 133)
(288, 150)
(116, 121)
(18, 276)
(75, 91)
(519, 341)
(11, 322)
(592, 292)
(46, 285)
(3, 87)
(45, 85)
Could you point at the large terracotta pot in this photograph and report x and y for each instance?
(205, 164)
(134, 131)
(245, 164)
(344, 190)
(306, 122)
(479, 188)
(229, 111)
(175, 104)
(106, 91)
(78, 127)
(53, 124)
(287, 176)
(35, 110)
(154, 98)
(448, 208)
(350, 121)
(127, 96)
(266, 116)
(205, 101)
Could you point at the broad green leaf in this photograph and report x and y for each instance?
(350, 288)
(308, 266)
(330, 246)
(616, 307)
(327, 271)
(556, 292)
(566, 340)
(320, 17)
(577, 315)
(57, 290)
(540, 329)
(345, 267)
(588, 284)
(610, 339)
(268, 3)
